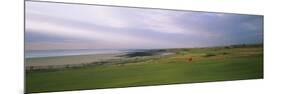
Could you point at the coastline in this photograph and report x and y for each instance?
(208, 64)
(70, 60)
(57, 62)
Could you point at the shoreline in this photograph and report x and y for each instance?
(57, 62)
(70, 60)
(100, 59)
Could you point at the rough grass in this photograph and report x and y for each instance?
(239, 63)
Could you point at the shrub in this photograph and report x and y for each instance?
(209, 55)
(224, 53)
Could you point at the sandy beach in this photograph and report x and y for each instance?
(56, 62)
(70, 60)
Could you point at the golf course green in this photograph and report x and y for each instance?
(207, 64)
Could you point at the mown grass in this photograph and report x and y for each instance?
(239, 63)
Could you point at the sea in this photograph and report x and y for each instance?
(53, 53)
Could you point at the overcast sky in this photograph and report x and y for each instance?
(73, 26)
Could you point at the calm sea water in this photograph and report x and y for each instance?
(51, 53)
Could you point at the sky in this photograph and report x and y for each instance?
(50, 26)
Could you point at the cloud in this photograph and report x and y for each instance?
(44, 26)
(67, 26)
(104, 35)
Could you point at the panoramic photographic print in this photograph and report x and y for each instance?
(82, 46)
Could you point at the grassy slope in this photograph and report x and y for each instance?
(238, 63)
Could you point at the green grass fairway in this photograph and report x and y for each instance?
(209, 64)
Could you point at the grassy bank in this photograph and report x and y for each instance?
(208, 64)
